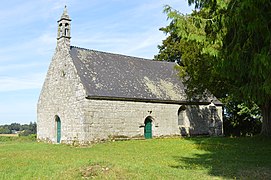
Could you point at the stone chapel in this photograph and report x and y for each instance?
(90, 95)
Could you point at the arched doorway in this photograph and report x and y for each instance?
(183, 121)
(58, 129)
(148, 128)
(181, 115)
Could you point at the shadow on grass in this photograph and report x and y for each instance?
(238, 158)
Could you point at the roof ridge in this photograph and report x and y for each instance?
(109, 52)
(80, 48)
(121, 55)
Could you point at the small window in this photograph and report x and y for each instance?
(66, 32)
(60, 30)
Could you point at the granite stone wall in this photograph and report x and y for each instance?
(61, 96)
(106, 118)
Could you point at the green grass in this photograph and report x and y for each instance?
(175, 158)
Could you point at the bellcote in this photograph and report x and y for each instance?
(64, 27)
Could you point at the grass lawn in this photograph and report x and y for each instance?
(175, 158)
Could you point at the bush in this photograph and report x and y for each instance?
(241, 119)
(25, 133)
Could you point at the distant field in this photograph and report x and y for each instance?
(175, 158)
(10, 135)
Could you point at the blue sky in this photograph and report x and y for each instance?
(28, 39)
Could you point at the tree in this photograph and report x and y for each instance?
(15, 126)
(171, 48)
(234, 38)
(247, 53)
(4, 130)
(33, 128)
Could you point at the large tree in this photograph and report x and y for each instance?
(233, 38)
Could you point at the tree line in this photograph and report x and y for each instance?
(24, 129)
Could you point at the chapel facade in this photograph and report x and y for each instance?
(90, 95)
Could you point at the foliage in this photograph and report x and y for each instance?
(178, 158)
(234, 40)
(247, 47)
(241, 118)
(14, 126)
(25, 129)
(185, 44)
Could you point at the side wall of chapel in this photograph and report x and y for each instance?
(106, 118)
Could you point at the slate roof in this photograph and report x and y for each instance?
(119, 77)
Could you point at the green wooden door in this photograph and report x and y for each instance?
(148, 128)
(58, 130)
